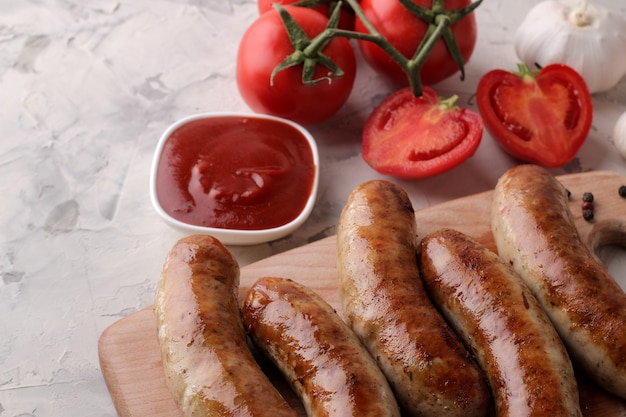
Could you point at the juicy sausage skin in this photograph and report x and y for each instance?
(384, 302)
(493, 311)
(320, 356)
(534, 232)
(208, 365)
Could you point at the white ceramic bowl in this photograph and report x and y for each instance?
(235, 236)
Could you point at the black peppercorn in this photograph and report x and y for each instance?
(622, 191)
(588, 197)
(588, 214)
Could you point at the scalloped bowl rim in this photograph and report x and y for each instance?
(236, 236)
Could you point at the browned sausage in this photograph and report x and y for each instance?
(385, 303)
(322, 359)
(208, 365)
(526, 362)
(534, 232)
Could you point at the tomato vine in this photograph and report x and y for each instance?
(309, 51)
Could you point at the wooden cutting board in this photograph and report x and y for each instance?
(128, 349)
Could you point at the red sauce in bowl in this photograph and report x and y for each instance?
(235, 172)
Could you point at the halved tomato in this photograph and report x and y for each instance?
(542, 117)
(417, 137)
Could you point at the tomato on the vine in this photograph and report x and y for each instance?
(346, 19)
(417, 137)
(542, 117)
(405, 31)
(266, 43)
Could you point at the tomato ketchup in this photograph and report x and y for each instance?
(235, 172)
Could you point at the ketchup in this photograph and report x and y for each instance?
(235, 172)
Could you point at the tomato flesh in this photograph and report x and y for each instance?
(411, 137)
(543, 119)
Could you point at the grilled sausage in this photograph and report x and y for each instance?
(525, 361)
(534, 232)
(321, 358)
(208, 365)
(384, 301)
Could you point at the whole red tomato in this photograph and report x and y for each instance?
(405, 32)
(266, 43)
(418, 137)
(542, 117)
(346, 18)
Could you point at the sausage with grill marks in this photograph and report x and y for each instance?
(207, 362)
(384, 301)
(322, 359)
(489, 306)
(534, 231)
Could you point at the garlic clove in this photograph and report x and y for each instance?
(589, 38)
(619, 135)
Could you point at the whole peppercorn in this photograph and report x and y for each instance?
(588, 197)
(622, 191)
(587, 205)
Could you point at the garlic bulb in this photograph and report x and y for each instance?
(619, 135)
(589, 38)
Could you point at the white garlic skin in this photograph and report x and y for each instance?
(619, 135)
(589, 38)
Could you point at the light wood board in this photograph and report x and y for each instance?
(129, 352)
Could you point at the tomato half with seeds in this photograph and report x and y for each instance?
(417, 137)
(542, 117)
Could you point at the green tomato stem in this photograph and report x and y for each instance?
(437, 18)
(524, 72)
(448, 103)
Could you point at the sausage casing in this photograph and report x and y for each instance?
(320, 356)
(534, 231)
(208, 365)
(384, 301)
(525, 361)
